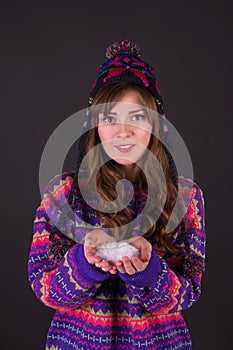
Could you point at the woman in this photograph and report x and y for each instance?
(136, 302)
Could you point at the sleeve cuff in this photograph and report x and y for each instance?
(146, 278)
(87, 271)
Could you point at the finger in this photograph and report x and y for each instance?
(145, 250)
(90, 242)
(97, 259)
(120, 267)
(106, 265)
(128, 266)
(145, 255)
(113, 270)
(89, 250)
(90, 255)
(98, 265)
(138, 264)
(90, 258)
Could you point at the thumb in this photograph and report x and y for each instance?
(145, 252)
(90, 241)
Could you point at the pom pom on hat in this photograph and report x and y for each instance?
(123, 46)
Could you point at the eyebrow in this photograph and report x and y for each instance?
(131, 112)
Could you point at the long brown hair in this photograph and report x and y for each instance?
(111, 172)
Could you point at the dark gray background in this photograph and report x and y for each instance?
(50, 53)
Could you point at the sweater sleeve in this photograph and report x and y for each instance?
(174, 284)
(64, 283)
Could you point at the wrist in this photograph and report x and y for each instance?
(146, 278)
(89, 272)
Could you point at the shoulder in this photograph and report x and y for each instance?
(193, 199)
(190, 189)
(61, 182)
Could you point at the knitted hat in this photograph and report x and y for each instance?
(124, 63)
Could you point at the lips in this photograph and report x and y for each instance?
(124, 148)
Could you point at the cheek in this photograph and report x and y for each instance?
(145, 138)
(101, 134)
(104, 134)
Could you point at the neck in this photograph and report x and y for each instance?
(131, 172)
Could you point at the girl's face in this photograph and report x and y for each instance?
(126, 130)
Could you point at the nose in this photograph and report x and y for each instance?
(124, 130)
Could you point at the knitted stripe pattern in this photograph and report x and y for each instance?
(97, 310)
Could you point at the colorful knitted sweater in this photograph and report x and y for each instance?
(98, 310)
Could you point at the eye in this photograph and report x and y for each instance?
(109, 120)
(138, 117)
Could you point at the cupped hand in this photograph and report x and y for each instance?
(92, 240)
(136, 264)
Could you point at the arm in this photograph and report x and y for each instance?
(172, 285)
(64, 283)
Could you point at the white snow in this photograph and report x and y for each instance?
(114, 251)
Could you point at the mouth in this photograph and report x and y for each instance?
(124, 148)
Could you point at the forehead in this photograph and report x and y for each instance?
(127, 102)
(126, 108)
(130, 96)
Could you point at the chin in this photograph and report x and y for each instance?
(124, 161)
